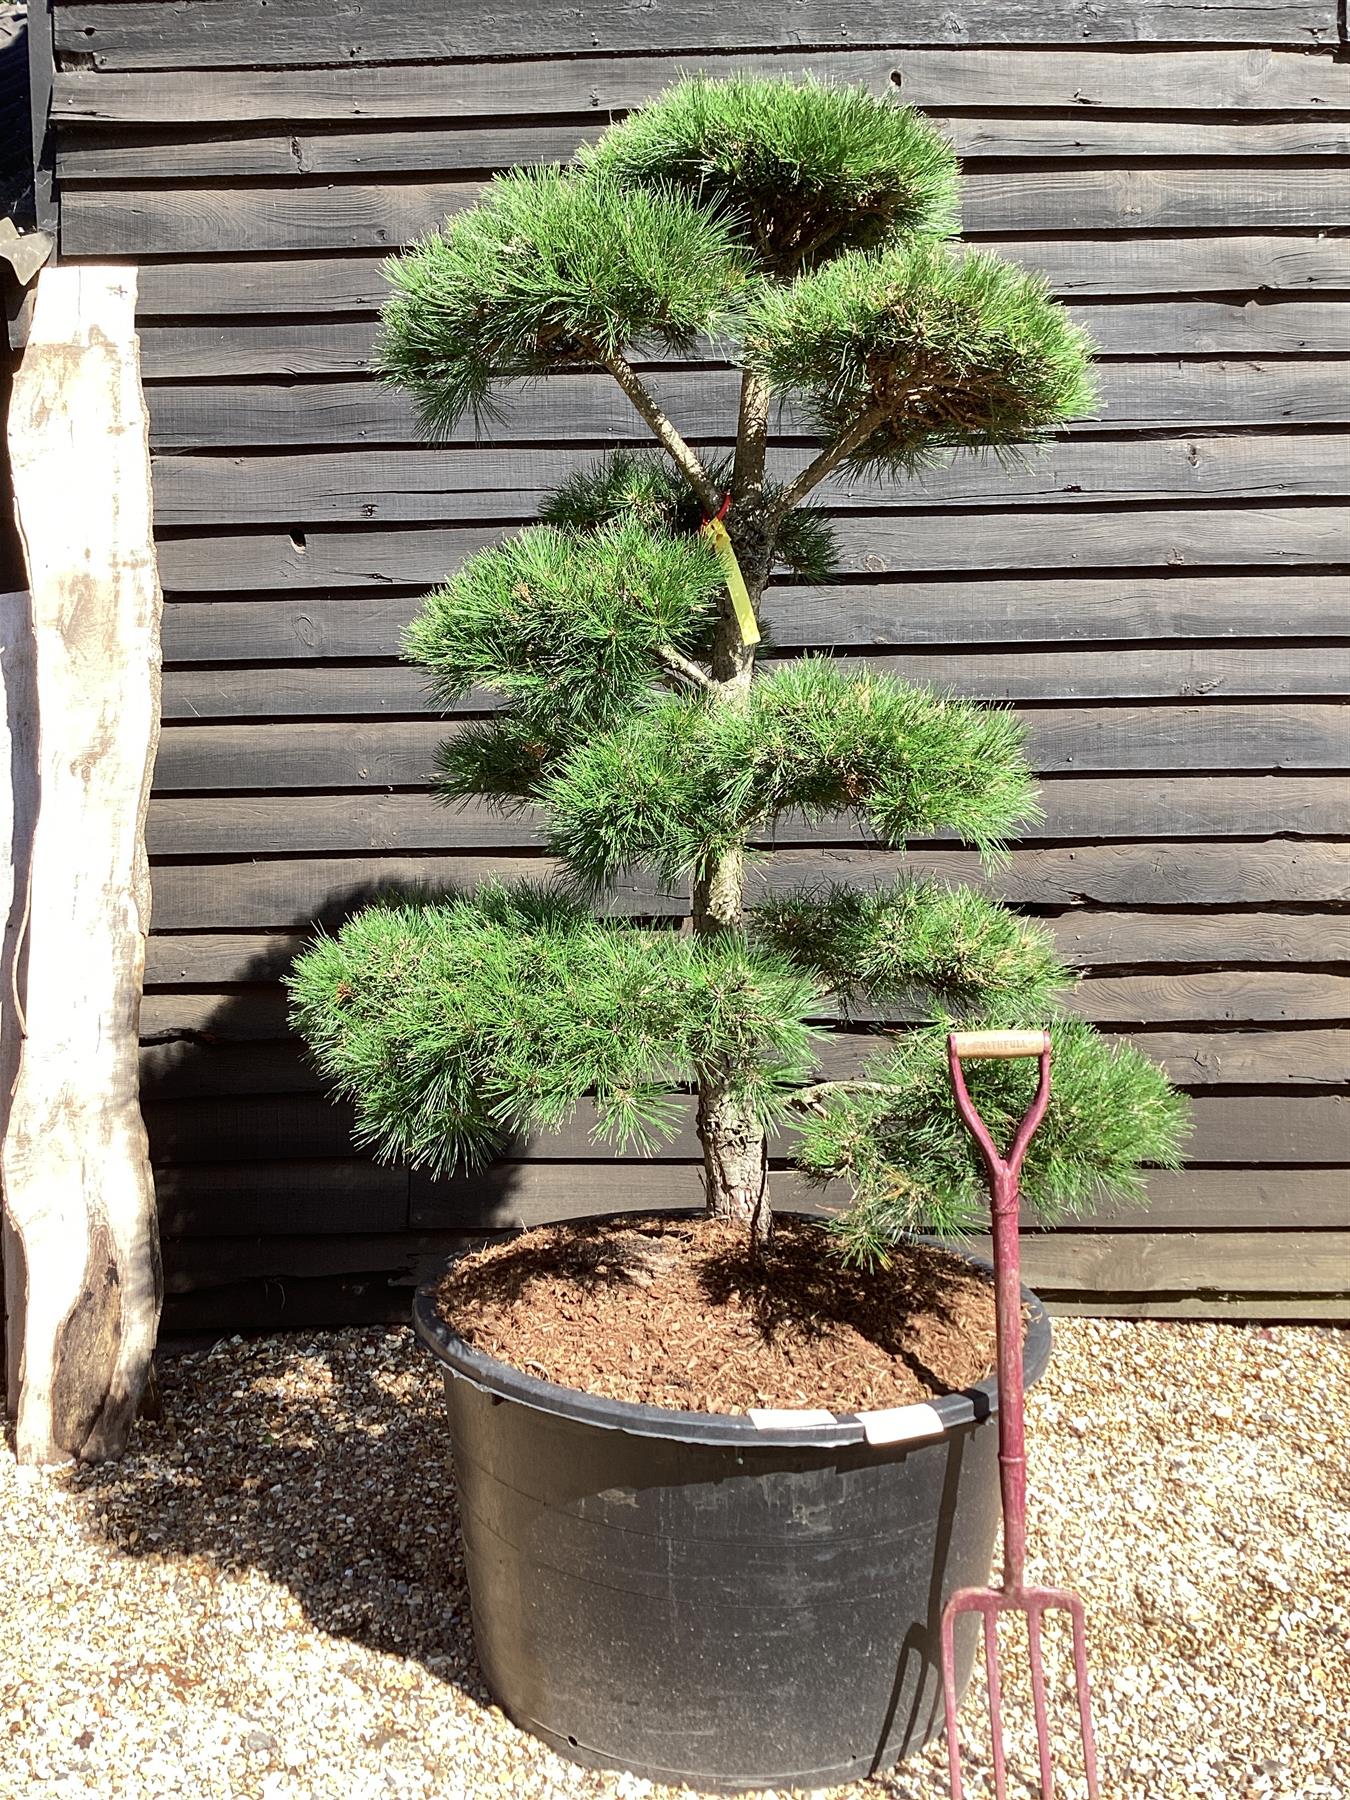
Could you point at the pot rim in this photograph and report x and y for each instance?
(768, 1428)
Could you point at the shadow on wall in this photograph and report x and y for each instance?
(271, 1217)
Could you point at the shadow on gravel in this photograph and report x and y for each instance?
(322, 1461)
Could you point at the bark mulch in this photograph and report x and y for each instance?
(680, 1313)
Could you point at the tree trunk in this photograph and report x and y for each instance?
(735, 1161)
(735, 1154)
(83, 1281)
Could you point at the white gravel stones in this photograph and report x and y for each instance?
(266, 1600)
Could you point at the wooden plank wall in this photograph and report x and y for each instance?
(1162, 595)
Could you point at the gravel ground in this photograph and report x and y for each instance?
(266, 1600)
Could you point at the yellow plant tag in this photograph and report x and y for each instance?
(717, 535)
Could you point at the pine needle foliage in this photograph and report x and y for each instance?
(913, 1166)
(941, 349)
(913, 941)
(806, 169)
(567, 628)
(455, 1024)
(645, 486)
(553, 269)
(800, 227)
(677, 786)
(502, 760)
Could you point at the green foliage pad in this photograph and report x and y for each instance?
(567, 628)
(913, 1165)
(552, 270)
(805, 170)
(455, 1023)
(680, 783)
(939, 350)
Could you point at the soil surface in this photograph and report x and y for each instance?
(677, 1313)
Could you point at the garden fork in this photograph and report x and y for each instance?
(1014, 1595)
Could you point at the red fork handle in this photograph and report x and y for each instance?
(987, 1045)
(1003, 1173)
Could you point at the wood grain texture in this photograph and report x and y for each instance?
(218, 1201)
(179, 34)
(1082, 539)
(104, 221)
(1100, 939)
(289, 892)
(20, 794)
(1213, 997)
(438, 92)
(357, 754)
(1300, 1309)
(1229, 1131)
(1312, 1057)
(1092, 810)
(109, 159)
(1065, 76)
(1185, 673)
(1135, 395)
(1253, 326)
(1210, 998)
(318, 1197)
(1090, 939)
(83, 1319)
(297, 1303)
(1157, 1261)
(343, 1300)
(1306, 1061)
(414, 486)
(1233, 1262)
(1224, 263)
(211, 221)
(910, 614)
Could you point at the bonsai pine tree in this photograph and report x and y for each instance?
(805, 232)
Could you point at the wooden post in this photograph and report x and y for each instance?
(82, 1273)
(18, 816)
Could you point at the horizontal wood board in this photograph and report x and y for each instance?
(1161, 593)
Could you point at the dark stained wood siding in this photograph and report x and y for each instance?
(1161, 594)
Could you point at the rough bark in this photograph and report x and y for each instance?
(735, 1166)
(82, 1256)
(18, 816)
(735, 1153)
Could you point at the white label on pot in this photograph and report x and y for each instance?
(902, 1424)
(787, 1418)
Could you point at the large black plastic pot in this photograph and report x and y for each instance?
(710, 1600)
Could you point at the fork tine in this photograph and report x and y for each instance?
(995, 1703)
(1081, 1682)
(1035, 1618)
(949, 1701)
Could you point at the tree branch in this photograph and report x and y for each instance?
(684, 458)
(830, 458)
(671, 660)
(752, 437)
(812, 1096)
